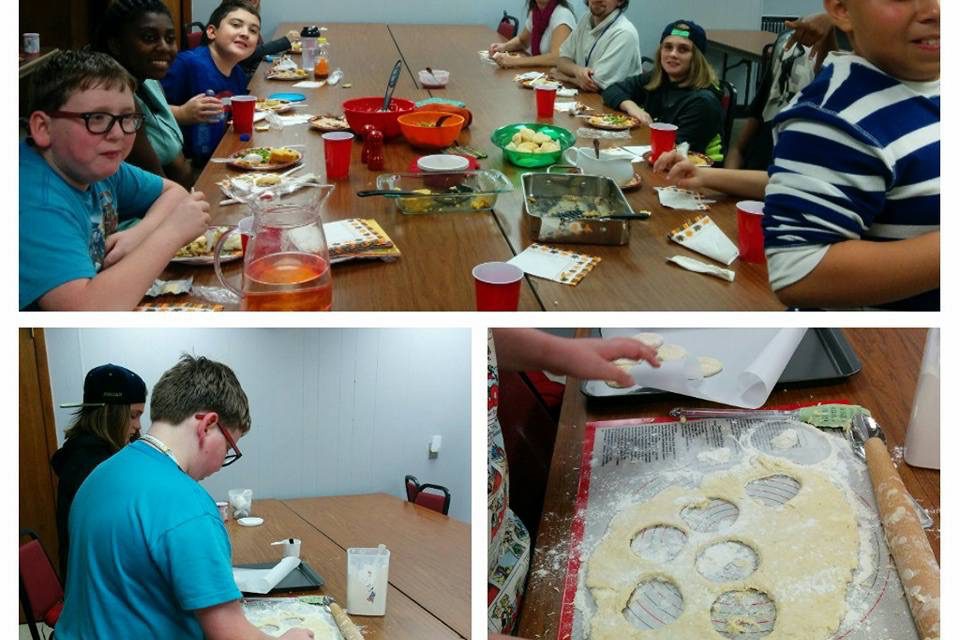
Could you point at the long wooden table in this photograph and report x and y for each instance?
(406, 616)
(429, 552)
(891, 365)
(440, 250)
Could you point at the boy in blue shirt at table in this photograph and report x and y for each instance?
(852, 206)
(233, 32)
(150, 556)
(75, 189)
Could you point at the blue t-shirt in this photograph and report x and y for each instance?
(193, 72)
(147, 548)
(63, 229)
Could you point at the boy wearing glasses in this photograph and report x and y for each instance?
(150, 555)
(75, 189)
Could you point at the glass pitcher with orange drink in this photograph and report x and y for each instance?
(286, 266)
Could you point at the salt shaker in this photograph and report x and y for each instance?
(374, 142)
(365, 131)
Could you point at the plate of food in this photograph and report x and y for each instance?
(697, 159)
(264, 158)
(532, 84)
(200, 250)
(329, 122)
(613, 121)
(288, 74)
(274, 104)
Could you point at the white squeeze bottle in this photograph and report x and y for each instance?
(922, 446)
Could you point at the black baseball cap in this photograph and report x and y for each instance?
(687, 29)
(111, 384)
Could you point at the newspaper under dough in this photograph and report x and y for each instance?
(807, 551)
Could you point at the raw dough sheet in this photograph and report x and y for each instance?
(626, 462)
(275, 616)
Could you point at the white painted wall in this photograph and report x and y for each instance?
(335, 411)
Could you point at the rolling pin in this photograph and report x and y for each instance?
(916, 564)
(347, 627)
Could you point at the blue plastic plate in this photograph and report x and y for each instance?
(292, 97)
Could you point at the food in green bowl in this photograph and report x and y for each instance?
(532, 145)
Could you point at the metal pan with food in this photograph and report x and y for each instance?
(572, 207)
(442, 192)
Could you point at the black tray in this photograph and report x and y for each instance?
(823, 356)
(303, 578)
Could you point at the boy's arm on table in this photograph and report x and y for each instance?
(121, 286)
(588, 358)
(121, 243)
(227, 622)
(863, 272)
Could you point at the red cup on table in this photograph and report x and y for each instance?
(663, 138)
(243, 107)
(336, 153)
(546, 97)
(497, 286)
(750, 231)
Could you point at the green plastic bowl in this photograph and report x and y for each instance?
(501, 137)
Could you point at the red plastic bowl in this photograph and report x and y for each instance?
(364, 111)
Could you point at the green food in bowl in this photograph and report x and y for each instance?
(504, 136)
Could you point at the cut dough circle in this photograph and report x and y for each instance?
(668, 352)
(654, 340)
(709, 366)
(809, 595)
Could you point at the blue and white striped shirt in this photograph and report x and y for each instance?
(857, 156)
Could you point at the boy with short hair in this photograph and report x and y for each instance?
(151, 557)
(233, 32)
(604, 48)
(852, 207)
(75, 188)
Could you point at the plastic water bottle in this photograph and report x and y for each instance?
(205, 138)
(308, 46)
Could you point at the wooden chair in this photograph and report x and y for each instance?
(41, 592)
(431, 496)
(508, 26)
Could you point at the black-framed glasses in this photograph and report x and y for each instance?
(230, 458)
(102, 122)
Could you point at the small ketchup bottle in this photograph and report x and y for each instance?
(375, 150)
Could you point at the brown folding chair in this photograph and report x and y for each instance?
(193, 34)
(431, 496)
(508, 26)
(41, 592)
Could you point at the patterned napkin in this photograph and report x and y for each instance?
(674, 198)
(559, 265)
(356, 238)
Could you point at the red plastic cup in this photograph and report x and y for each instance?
(750, 231)
(336, 153)
(242, 107)
(663, 138)
(546, 97)
(497, 286)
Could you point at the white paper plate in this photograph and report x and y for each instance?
(250, 522)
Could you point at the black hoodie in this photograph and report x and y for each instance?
(696, 112)
(72, 463)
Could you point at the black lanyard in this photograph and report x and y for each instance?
(587, 63)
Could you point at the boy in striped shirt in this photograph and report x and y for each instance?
(852, 206)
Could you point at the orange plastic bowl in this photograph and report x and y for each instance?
(363, 111)
(418, 129)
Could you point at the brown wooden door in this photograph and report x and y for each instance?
(38, 441)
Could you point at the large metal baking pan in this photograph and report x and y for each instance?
(542, 190)
(823, 356)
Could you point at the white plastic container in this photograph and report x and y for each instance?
(922, 446)
(367, 571)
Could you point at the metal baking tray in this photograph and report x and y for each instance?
(822, 357)
(446, 192)
(303, 578)
(543, 191)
